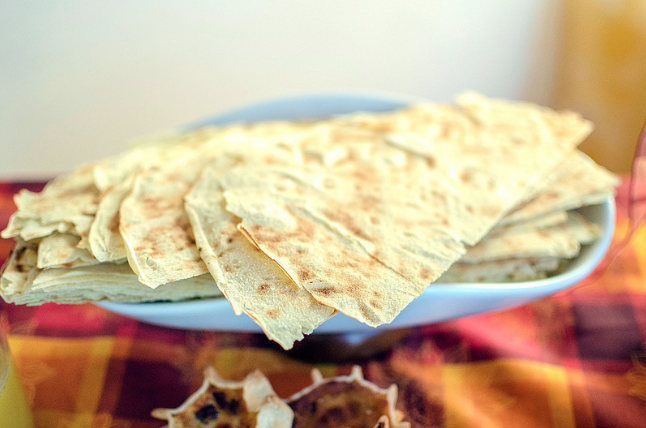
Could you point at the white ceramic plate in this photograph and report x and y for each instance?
(437, 303)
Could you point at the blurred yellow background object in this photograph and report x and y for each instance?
(14, 409)
(601, 73)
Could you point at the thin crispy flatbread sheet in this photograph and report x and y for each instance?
(157, 233)
(341, 197)
(541, 222)
(325, 227)
(500, 271)
(491, 151)
(581, 228)
(153, 223)
(583, 183)
(62, 250)
(333, 267)
(115, 175)
(157, 150)
(562, 241)
(23, 283)
(152, 152)
(19, 269)
(525, 140)
(251, 281)
(33, 229)
(545, 181)
(375, 193)
(106, 242)
(66, 204)
(114, 282)
(550, 242)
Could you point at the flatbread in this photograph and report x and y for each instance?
(582, 182)
(581, 229)
(319, 225)
(434, 192)
(115, 283)
(115, 178)
(105, 240)
(500, 271)
(358, 214)
(66, 204)
(154, 151)
(23, 283)
(153, 223)
(19, 269)
(540, 222)
(251, 281)
(490, 151)
(563, 240)
(159, 242)
(62, 250)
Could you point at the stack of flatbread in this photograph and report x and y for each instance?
(293, 222)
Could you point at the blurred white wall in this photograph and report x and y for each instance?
(78, 79)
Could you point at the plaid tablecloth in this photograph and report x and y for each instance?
(573, 359)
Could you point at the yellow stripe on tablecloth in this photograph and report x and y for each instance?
(95, 352)
(453, 382)
(478, 394)
(94, 376)
(52, 418)
(53, 347)
(559, 396)
(61, 419)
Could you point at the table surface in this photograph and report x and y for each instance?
(577, 358)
